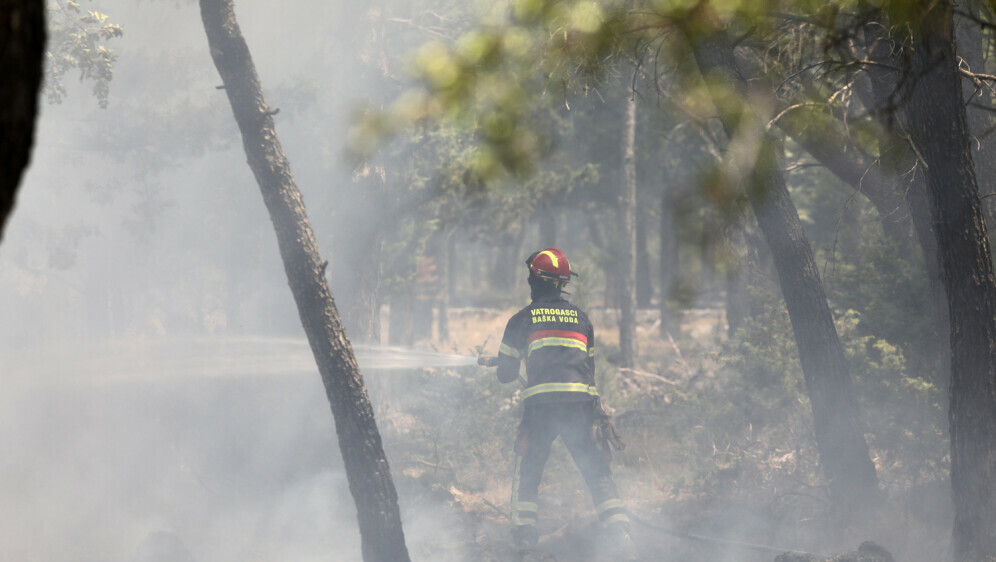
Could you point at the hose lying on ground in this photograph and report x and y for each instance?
(721, 542)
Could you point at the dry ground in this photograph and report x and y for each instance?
(477, 486)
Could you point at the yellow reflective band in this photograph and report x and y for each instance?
(591, 352)
(517, 521)
(559, 387)
(552, 256)
(561, 342)
(615, 518)
(525, 506)
(510, 351)
(609, 504)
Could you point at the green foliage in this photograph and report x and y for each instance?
(490, 78)
(75, 41)
(901, 408)
(893, 299)
(903, 415)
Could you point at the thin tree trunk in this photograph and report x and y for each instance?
(547, 226)
(367, 470)
(939, 129)
(508, 252)
(738, 300)
(364, 310)
(401, 317)
(644, 287)
(443, 252)
(595, 230)
(627, 236)
(451, 272)
(669, 258)
(844, 454)
(22, 49)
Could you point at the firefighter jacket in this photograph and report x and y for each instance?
(557, 341)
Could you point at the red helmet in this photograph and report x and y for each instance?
(550, 265)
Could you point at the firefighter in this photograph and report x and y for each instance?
(557, 342)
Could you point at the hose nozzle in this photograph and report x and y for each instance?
(486, 361)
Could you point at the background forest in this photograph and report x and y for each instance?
(777, 212)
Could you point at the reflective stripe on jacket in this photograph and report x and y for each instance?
(557, 342)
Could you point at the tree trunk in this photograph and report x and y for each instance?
(844, 454)
(509, 252)
(401, 317)
(972, 46)
(644, 287)
(627, 237)
(547, 226)
(841, 156)
(364, 310)
(669, 258)
(22, 49)
(744, 274)
(443, 264)
(367, 470)
(451, 272)
(939, 129)
(897, 158)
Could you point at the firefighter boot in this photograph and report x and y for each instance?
(524, 537)
(618, 543)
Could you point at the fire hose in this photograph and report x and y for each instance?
(718, 542)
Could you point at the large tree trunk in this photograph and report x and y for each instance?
(627, 237)
(939, 129)
(844, 454)
(22, 49)
(896, 159)
(973, 44)
(367, 470)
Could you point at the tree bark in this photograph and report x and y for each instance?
(844, 454)
(401, 317)
(858, 169)
(627, 236)
(644, 287)
(364, 310)
(972, 46)
(22, 49)
(897, 158)
(547, 219)
(382, 538)
(939, 131)
(669, 258)
(744, 274)
(445, 277)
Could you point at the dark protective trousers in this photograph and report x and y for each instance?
(572, 421)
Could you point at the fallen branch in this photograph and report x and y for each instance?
(681, 360)
(648, 375)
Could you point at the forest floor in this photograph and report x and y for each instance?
(463, 463)
(701, 484)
